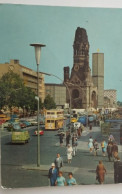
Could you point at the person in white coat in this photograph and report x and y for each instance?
(69, 153)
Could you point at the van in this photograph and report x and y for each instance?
(20, 137)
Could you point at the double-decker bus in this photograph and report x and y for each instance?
(54, 119)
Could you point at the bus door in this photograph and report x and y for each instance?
(56, 125)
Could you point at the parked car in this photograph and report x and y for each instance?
(27, 123)
(41, 132)
(5, 124)
(22, 125)
(33, 122)
(14, 126)
(4, 117)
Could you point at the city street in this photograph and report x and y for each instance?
(18, 162)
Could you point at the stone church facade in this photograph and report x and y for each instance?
(83, 93)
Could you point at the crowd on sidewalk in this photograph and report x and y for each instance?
(109, 148)
(55, 174)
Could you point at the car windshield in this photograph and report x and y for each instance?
(17, 126)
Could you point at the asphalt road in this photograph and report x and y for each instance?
(13, 157)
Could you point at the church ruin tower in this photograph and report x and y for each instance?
(83, 94)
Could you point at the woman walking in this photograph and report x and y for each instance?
(96, 147)
(103, 146)
(60, 181)
(100, 172)
(90, 144)
(69, 153)
(61, 139)
(71, 180)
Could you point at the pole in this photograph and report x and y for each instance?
(69, 105)
(38, 136)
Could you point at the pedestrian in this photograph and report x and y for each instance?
(67, 138)
(100, 172)
(60, 181)
(79, 132)
(115, 150)
(76, 144)
(73, 144)
(52, 175)
(73, 139)
(103, 146)
(73, 152)
(69, 153)
(109, 151)
(71, 180)
(96, 147)
(90, 144)
(61, 139)
(111, 139)
(58, 162)
(90, 126)
(94, 122)
(116, 170)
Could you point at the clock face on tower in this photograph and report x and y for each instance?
(11, 67)
(76, 67)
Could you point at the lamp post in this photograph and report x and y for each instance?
(49, 74)
(37, 56)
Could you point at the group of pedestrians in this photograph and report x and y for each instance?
(93, 145)
(71, 144)
(110, 148)
(55, 174)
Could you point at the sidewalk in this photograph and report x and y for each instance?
(47, 167)
(82, 146)
(65, 169)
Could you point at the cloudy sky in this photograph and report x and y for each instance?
(21, 25)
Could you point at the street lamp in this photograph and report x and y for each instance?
(37, 56)
(49, 74)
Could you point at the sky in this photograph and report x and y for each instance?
(21, 25)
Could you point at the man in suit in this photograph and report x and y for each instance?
(109, 151)
(58, 162)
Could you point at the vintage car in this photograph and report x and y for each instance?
(41, 132)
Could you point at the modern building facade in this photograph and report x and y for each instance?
(28, 75)
(82, 90)
(110, 98)
(57, 92)
(98, 76)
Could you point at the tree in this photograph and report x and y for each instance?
(13, 92)
(9, 84)
(49, 102)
